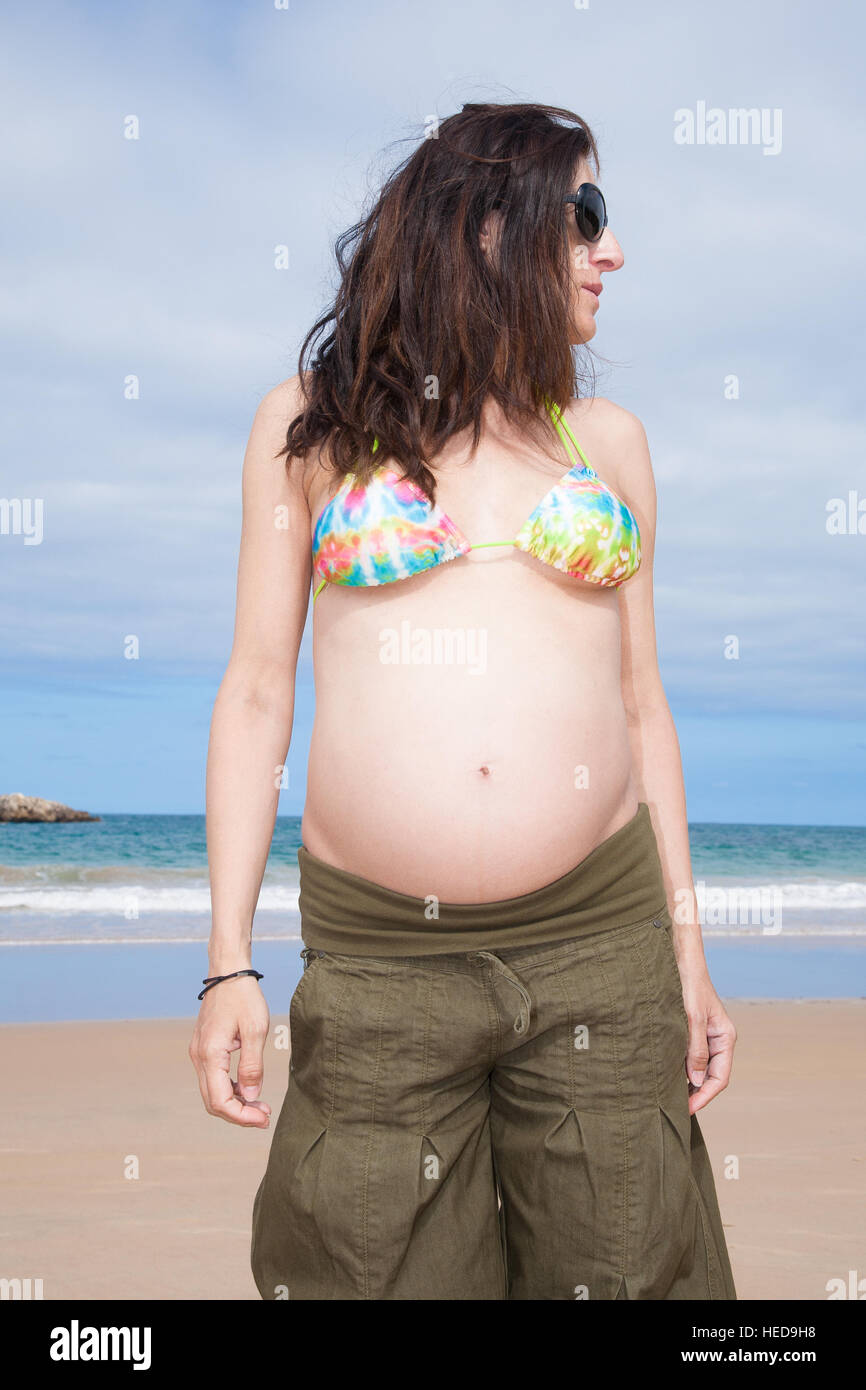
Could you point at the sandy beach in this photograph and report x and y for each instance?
(91, 1099)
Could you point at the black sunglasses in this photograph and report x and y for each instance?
(590, 211)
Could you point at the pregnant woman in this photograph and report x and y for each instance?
(505, 1025)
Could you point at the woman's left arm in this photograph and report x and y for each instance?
(658, 769)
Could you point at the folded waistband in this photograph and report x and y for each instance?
(618, 883)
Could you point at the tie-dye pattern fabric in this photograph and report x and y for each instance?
(585, 530)
(382, 532)
(388, 530)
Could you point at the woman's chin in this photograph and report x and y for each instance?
(584, 329)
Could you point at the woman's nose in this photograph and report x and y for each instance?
(607, 251)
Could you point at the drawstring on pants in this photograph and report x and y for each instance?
(307, 953)
(521, 1023)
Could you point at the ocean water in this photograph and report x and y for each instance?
(144, 878)
(129, 879)
(783, 907)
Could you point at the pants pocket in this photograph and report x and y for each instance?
(669, 960)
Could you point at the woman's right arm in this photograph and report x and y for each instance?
(249, 740)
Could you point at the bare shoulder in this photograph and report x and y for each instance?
(275, 412)
(606, 420)
(283, 402)
(614, 440)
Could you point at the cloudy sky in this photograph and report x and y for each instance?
(262, 126)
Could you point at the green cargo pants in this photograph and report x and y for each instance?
(508, 1124)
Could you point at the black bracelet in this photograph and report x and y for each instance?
(218, 979)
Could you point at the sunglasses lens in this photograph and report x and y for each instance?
(590, 211)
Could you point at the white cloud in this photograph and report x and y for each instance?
(261, 127)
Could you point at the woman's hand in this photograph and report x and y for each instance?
(712, 1035)
(233, 1015)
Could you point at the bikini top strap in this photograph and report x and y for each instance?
(561, 425)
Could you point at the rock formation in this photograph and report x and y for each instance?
(17, 807)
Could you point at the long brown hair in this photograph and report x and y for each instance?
(424, 325)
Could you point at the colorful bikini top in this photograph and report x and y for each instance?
(389, 529)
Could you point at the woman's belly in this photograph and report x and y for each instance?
(470, 740)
